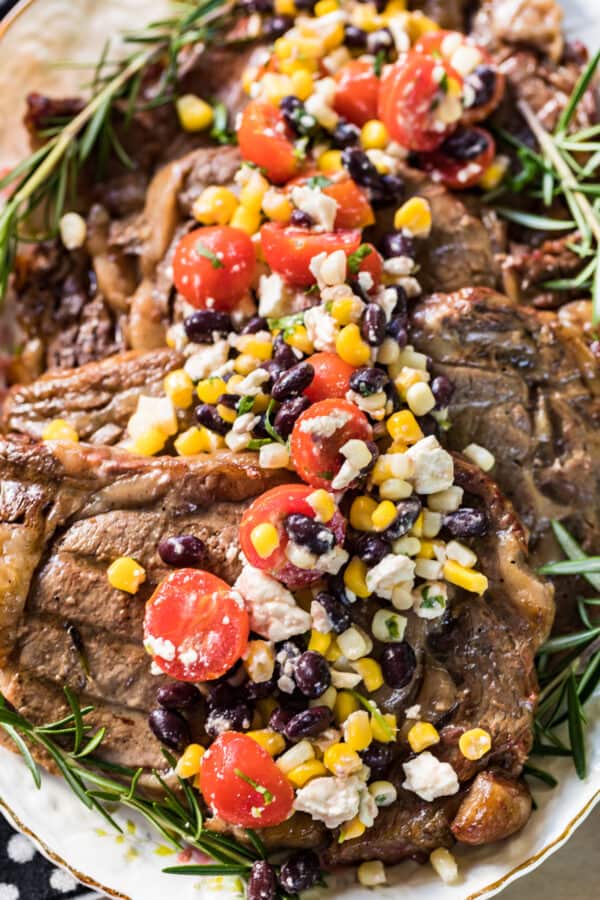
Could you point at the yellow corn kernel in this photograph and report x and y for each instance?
(394, 8)
(345, 705)
(407, 378)
(334, 37)
(302, 81)
(259, 660)
(361, 513)
(179, 387)
(417, 528)
(374, 135)
(365, 17)
(261, 403)
(331, 161)
(300, 340)
(249, 343)
(265, 539)
(350, 346)
(252, 193)
(215, 206)
(357, 730)
(475, 582)
(320, 642)
(355, 577)
(334, 652)
(414, 216)
(245, 219)
(384, 733)
(427, 550)
(284, 7)
(198, 440)
(190, 761)
(342, 310)
(271, 741)
(370, 672)
(305, 772)
(384, 515)
(126, 574)
(245, 363)
(277, 206)
(194, 113)
(324, 7)
(59, 430)
(494, 173)
(210, 389)
(403, 426)
(226, 412)
(398, 447)
(352, 829)
(475, 743)
(341, 760)
(422, 735)
(323, 504)
(150, 442)
(419, 24)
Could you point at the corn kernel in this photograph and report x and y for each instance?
(319, 641)
(355, 577)
(394, 8)
(150, 442)
(125, 574)
(370, 672)
(494, 173)
(357, 730)
(215, 206)
(226, 412)
(323, 504)
(300, 340)
(283, 47)
(331, 161)
(265, 539)
(333, 37)
(419, 24)
(324, 7)
(303, 83)
(420, 398)
(371, 874)
(210, 389)
(365, 17)
(198, 440)
(194, 113)
(295, 756)
(245, 363)
(305, 772)
(259, 660)
(422, 735)
(271, 741)
(327, 698)
(285, 7)
(334, 652)
(480, 456)
(374, 135)
(361, 513)
(277, 206)
(261, 404)
(245, 219)
(179, 387)
(350, 346)
(426, 550)
(403, 426)
(414, 216)
(475, 743)
(345, 705)
(253, 191)
(383, 792)
(386, 732)
(354, 643)
(350, 830)
(384, 515)
(190, 761)
(342, 760)
(59, 430)
(475, 582)
(262, 350)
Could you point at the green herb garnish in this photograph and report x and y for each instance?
(259, 788)
(269, 427)
(378, 62)
(202, 250)
(355, 259)
(220, 130)
(245, 405)
(319, 181)
(372, 708)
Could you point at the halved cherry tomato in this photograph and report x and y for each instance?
(242, 785)
(266, 140)
(194, 627)
(315, 447)
(462, 159)
(373, 264)
(419, 101)
(289, 250)
(354, 209)
(357, 92)
(331, 378)
(273, 507)
(214, 266)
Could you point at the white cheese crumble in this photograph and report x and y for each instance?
(320, 620)
(433, 466)
(332, 561)
(157, 646)
(321, 328)
(274, 298)
(272, 609)
(391, 571)
(205, 359)
(325, 426)
(319, 206)
(429, 778)
(334, 801)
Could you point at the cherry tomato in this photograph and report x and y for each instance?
(194, 626)
(289, 250)
(316, 456)
(213, 267)
(413, 93)
(273, 507)
(462, 159)
(373, 264)
(266, 140)
(357, 92)
(354, 209)
(242, 785)
(331, 379)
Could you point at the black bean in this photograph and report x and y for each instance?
(228, 718)
(429, 426)
(398, 663)
(231, 401)
(208, 416)
(367, 381)
(277, 25)
(466, 522)
(182, 550)
(169, 728)
(395, 243)
(374, 451)
(465, 144)
(260, 429)
(221, 694)
(311, 674)
(201, 324)
(401, 307)
(279, 719)
(371, 548)
(291, 383)
(256, 323)
(372, 325)
(355, 37)
(338, 615)
(360, 167)
(379, 40)
(308, 723)
(483, 83)
(299, 872)
(305, 5)
(178, 695)
(288, 413)
(262, 883)
(301, 219)
(345, 134)
(408, 513)
(378, 757)
(442, 389)
(261, 6)
(257, 690)
(393, 396)
(397, 329)
(393, 187)
(309, 533)
(296, 116)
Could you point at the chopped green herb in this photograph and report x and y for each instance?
(391, 625)
(260, 788)
(257, 443)
(220, 130)
(378, 62)
(245, 405)
(203, 250)
(269, 427)
(319, 181)
(285, 322)
(356, 258)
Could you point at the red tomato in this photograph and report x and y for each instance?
(242, 785)
(273, 507)
(332, 377)
(411, 93)
(289, 250)
(477, 150)
(266, 140)
(194, 613)
(214, 264)
(317, 459)
(373, 264)
(354, 209)
(357, 92)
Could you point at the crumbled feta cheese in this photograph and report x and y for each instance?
(241, 432)
(398, 265)
(433, 466)
(332, 561)
(368, 809)
(429, 778)
(319, 206)
(158, 646)
(273, 611)
(332, 800)
(252, 384)
(320, 620)
(413, 712)
(374, 404)
(320, 103)
(321, 328)
(365, 280)
(397, 26)
(300, 556)
(205, 359)
(391, 571)
(430, 600)
(465, 59)
(273, 456)
(274, 297)
(325, 426)
(387, 298)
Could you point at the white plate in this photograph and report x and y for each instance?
(129, 866)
